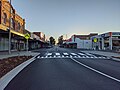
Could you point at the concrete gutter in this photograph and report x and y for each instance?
(10, 75)
(115, 59)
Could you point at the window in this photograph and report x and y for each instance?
(4, 18)
(18, 26)
(12, 23)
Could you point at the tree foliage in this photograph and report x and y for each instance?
(60, 40)
(52, 40)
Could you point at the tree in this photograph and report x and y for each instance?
(60, 40)
(52, 40)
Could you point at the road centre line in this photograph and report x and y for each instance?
(97, 71)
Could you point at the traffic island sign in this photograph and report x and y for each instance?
(95, 40)
(27, 36)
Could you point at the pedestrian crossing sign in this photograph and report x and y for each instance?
(27, 36)
(95, 40)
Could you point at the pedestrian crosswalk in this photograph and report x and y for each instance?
(71, 55)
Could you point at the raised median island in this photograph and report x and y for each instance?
(7, 64)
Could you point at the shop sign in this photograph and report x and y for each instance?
(116, 34)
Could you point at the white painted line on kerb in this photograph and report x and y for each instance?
(58, 54)
(73, 54)
(49, 54)
(65, 53)
(99, 72)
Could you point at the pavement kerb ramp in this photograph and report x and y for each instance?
(115, 59)
(10, 75)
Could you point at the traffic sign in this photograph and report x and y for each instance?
(95, 40)
(27, 36)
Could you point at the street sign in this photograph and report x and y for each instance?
(95, 40)
(27, 36)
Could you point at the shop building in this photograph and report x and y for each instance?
(107, 41)
(17, 27)
(80, 41)
(42, 42)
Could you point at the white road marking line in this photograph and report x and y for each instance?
(49, 54)
(83, 57)
(62, 56)
(65, 53)
(90, 54)
(87, 56)
(42, 57)
(78, 56)
(73, 54)
(99, 72)
(70, 56)
(81, 54)
(38, 57)
(103, 57)
(66, 56)
(95, 57)
(58, 54)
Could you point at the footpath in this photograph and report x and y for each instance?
(21, 53)
(104, 53)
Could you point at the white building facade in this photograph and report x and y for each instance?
(107, 41)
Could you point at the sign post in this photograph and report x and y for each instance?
(27, 36)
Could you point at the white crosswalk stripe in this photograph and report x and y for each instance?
(65, 53)
(81, 54)
(72, 55)
(57, 54)
(49, 54)
(90, 54)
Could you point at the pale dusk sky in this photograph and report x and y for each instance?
(61, 17)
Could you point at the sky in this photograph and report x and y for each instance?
(68, 17)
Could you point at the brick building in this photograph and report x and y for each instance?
(17, 26)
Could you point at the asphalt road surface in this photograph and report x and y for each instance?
(68, 69)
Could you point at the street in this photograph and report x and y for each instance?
(68, 69)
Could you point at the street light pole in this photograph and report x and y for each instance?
(9, 47)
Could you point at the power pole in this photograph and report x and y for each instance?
(9, 47)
